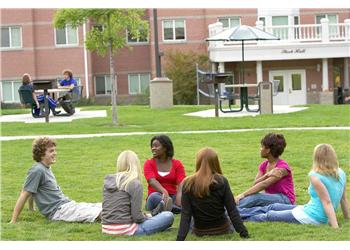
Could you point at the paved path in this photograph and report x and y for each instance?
(28, 118)
(277, 109)
(78, 136)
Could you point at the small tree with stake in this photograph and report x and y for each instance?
(108, 34)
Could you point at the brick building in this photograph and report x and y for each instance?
(311, 58)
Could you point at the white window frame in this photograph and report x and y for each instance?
(139, 76)
(326, 16)
(13, 92)
(174, 40)
(66, 33)
(229, 20)
(105, 76)
(138, 40)
(10, 37)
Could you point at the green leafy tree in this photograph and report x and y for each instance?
(107, 35)
(181, 68)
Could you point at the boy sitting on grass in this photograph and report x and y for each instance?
(41, 185)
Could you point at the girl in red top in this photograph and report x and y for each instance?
(164, 175)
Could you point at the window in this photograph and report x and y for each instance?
(66, 36)
(296, 82)
(11, 37)
(332, 20)
(280, 21)
(174, 30)
(230, 22)
(103, 85)
(281, 84)
(139, 83)
(142, 39)
(10, 91)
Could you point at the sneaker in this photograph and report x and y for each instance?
(176, 210)
(158, 209)
(56, 112)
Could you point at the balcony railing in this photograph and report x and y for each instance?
(324, 32)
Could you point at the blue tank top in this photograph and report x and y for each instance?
(314, 208)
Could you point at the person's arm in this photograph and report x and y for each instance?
(180, 176)
(135, 190)
(186, 216)
(344, 205)
(157, 186)
(31, 203)
(272, 177)
(322, 192)
(259, 177)
(233, 212)
(178, 194)
(23, 197)
(150, 176)
(35, 100)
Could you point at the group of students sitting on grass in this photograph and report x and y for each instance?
(204, 199)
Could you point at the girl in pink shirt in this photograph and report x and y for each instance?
(274, 177)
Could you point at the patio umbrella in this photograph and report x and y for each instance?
(242, 33)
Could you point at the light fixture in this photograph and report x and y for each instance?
(318, 67)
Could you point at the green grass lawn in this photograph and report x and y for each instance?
(83, 163)
(141, 118)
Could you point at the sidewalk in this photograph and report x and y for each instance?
(28, 118)
(79, 136)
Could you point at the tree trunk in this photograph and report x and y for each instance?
(112, 77)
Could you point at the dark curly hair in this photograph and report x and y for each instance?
(275, 142)
(40, 146)
(165, 141)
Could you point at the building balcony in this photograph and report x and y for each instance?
(305, 41)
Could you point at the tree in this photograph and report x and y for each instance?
(181, 68)
(107, 34)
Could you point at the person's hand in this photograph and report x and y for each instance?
(38, 105)
(148, 215)
(238, 198)
(165, 195)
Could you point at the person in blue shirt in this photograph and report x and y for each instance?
(327, 190)
(27, 84)
(69, 83)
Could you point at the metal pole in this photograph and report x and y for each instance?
(46, 103)
(197, 84)
(242, 65)
(156, 45)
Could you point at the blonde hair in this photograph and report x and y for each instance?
(325, 160)
(128, 169)
(26, 79)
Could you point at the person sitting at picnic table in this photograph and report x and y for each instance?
(41, 184)
(327, 189)
(69, 83)
(207, 200)
(164, 175)
(27, 85)
(122, 201)
(274, 177)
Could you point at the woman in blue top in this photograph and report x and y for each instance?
(327, 189)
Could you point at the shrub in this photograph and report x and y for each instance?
(180, 67)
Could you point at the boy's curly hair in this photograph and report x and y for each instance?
(40, 146)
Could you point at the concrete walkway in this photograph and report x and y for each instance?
(79, 136)
(28, 118)
(277, 109)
